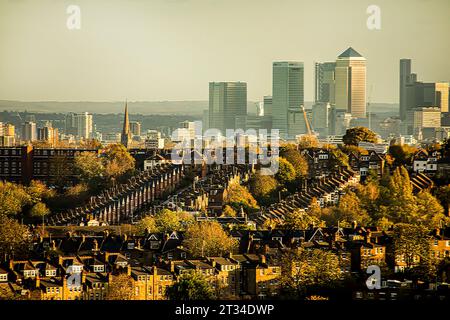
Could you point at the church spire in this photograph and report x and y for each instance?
(126, 135)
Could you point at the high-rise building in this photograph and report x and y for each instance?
(287, 93)
(135, 128)
(9, 130)
(426, 118)
(29, 131)
(324, 82)
(297, 122)
(406, 80)
(321, 117)
(84, 125)
(48, 134)
(350, 87)
(268, 104)
(226, 101)
(125, 137)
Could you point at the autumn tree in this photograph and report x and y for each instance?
(13, 198)
(304, 269)
(191, 286)
(355, 135)
(208, 239)
(411, 241)
(118, 161)
(167, 221)
(238, 197)
(14, 238)
(120, 288)
(348, 210)
(402, 154)
(286, 171)
(300, 220)
(146, 224)
(264, 188)
(228, 211)
(293, 156)
(443, 194)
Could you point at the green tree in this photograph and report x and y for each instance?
(13, 198)
(14, 238)
(167, 221)
(300, 164)
(118, 161)
(228, 211)
(238, 196)
(443, 194)
(305, 269)
(299, 220)
(286, 171)
(146, 224)
(357, 134)
(190, 286)
(349, 210)
(120, 288)
(208, 239)
(264, 188)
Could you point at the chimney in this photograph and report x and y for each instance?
(367, 236)
(38, 281)
(262, 259)
(172, 266)
(83, 277)
(128, 270)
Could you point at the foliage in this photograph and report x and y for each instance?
(238, 196)
(121, 288)
(402, 154)
(339, 158)
(190, 286)
(286, 171)
(146, 224)
(39, 210)
(228, 211)
(167, 221)
(357, 134)
(307, 141)
(300, 164)
(300, 220)
(304, 269)
(263, 188)
(208, 239)
(13, 198)
(14, 238)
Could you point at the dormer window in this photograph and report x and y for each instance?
(50, 273)
(99, 268)
(29, 273)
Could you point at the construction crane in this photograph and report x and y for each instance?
(308, 126)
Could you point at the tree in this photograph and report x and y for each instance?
(118, 160)
(121, 288)
(286, 171)
(300, 164)
(429, 212)
(39, 210)
(348, 210)
(411, 241)
(190, 286)
(300, 220)
(355, 135)
(443, 194)
(238, 196)
(208, 239)
(38, 191)
(402, 154)
(338, 158)
(89, 166)
(147, 224)
(167, 221)
(305, 269)
(13, 198)
(228, 211)
(14, 238)
(264, 188)
(308, 141)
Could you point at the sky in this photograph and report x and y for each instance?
(158, 50)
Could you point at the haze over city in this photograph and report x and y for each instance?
(170, 50)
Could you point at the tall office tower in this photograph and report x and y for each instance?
(407, 79)
(324, 84)
(426, 118)
(350, 88)
(125, 137)
(227, 100)
(71, 124)
(268, 106)
(84, 125)
(432, 94)
(135, 128)
(260, 109)
(9, 130)
(48, 134)
(321, 117)
(287, 92)
(297, 122)
(205, 120)
(29, 131)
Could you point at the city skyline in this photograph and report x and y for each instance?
(91, 64)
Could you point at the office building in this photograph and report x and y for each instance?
(267, 105)
(321, 117)
(227, 100)
(324, 82)
(287, 92)
(135, 128)
(84, 125)
(426, 117)
(350, 87)
(48, 134)
(29, 132)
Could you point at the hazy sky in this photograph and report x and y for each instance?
(170, 49)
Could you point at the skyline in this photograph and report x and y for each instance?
(107, 60)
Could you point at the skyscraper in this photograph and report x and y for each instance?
(350, 88)
(321, 117)
(227, 100)
(324, 82)
(135, 128)
(287, 92)
(29, 131)
(268, 106)
(84, 125)
(406, 80)
(125, 138)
